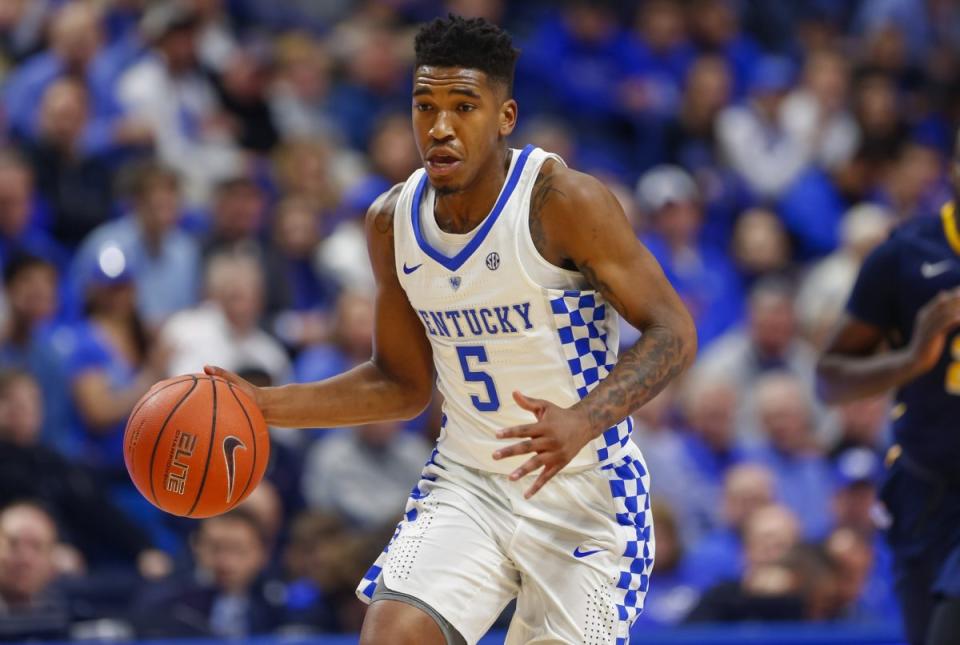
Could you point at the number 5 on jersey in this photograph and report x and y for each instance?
(465, 353)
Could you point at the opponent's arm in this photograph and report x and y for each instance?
(576, 221)
(397, 381)
(851, 367)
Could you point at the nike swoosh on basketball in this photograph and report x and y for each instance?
(409, 270)
(933, 269)
(577, 553)
(230, 445)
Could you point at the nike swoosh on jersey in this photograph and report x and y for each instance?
(230, 445)
(409, 270)
(577, 553)
(933, 269)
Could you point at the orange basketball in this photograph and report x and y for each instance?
(196, 445)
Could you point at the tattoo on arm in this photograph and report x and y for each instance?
(600, 286)
(641, 372)
(543, 190)
(383, 221)
(639, 375)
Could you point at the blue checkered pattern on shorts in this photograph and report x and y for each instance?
(629, 484)
(371, 578)
(580, 318)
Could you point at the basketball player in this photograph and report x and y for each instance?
(899, 332)
(505, 271)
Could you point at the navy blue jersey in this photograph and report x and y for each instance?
(919, 260)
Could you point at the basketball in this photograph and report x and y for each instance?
(196, 445)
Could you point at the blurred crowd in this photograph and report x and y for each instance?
(183, 182)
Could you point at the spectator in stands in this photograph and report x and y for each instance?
(224, 329)
(110, 363)
(785, 414)
(715, 29)
(21, 30)
(20, 230)
(675, 593)
(373, 82)
(826, 287)
(760, 245)
(168, 90)
(768, 342)
(302, 318)
(914, 185)
(755, 142)
(863, 596)
(664, 55)
(718, 556)
(76, 36)
(242, 89)
(27, 341)
(861, 424)
(710, 447)
(30, 608)
(163, 261)
(236, 218)
(883, 126)
(216, 42)
(301, 86)
(816, 111)
(768, 590)
(304, 168)
(74, 183)
(350, 341)
(364, 474)
(704, 277)
(226, 596)
(70, 492)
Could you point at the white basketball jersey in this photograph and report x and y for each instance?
(501, 318)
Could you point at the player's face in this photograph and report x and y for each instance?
(459, 120)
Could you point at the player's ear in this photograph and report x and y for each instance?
(508, 117)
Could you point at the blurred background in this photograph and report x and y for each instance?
(184, 182)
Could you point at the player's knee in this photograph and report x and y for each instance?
(389, 622)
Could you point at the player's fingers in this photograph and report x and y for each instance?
(522, 448)
(544, 477)
(537, 406)
(213, 370)
(528, 430)
(528, 467)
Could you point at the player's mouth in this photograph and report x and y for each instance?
(442, 163)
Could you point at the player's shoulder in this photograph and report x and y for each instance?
(379, 218)
(577, 188)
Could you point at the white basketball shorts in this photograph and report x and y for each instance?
(577, 555)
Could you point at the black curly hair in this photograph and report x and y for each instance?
(472, 43)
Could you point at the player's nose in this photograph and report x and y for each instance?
(442, 129)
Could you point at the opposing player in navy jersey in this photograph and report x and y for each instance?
(501, 273)
(900, 331)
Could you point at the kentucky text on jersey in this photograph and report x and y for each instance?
(485, 321)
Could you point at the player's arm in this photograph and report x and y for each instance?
(397, 381)
(576, 220)
(852, 366)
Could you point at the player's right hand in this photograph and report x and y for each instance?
(249, 388)
(934, 322)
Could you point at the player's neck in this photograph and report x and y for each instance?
(462, 211)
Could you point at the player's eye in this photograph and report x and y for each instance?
(421, 107)
(467, 107)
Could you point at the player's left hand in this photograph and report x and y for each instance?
(557, 436)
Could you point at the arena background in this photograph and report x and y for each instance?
(185, 182)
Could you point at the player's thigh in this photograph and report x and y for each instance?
(585, 574)
(446, 555)
(398, 623)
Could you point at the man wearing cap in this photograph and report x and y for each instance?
(702, 275)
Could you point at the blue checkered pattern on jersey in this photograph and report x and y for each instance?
(629, 484)
(371, 578)
(580, 317)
